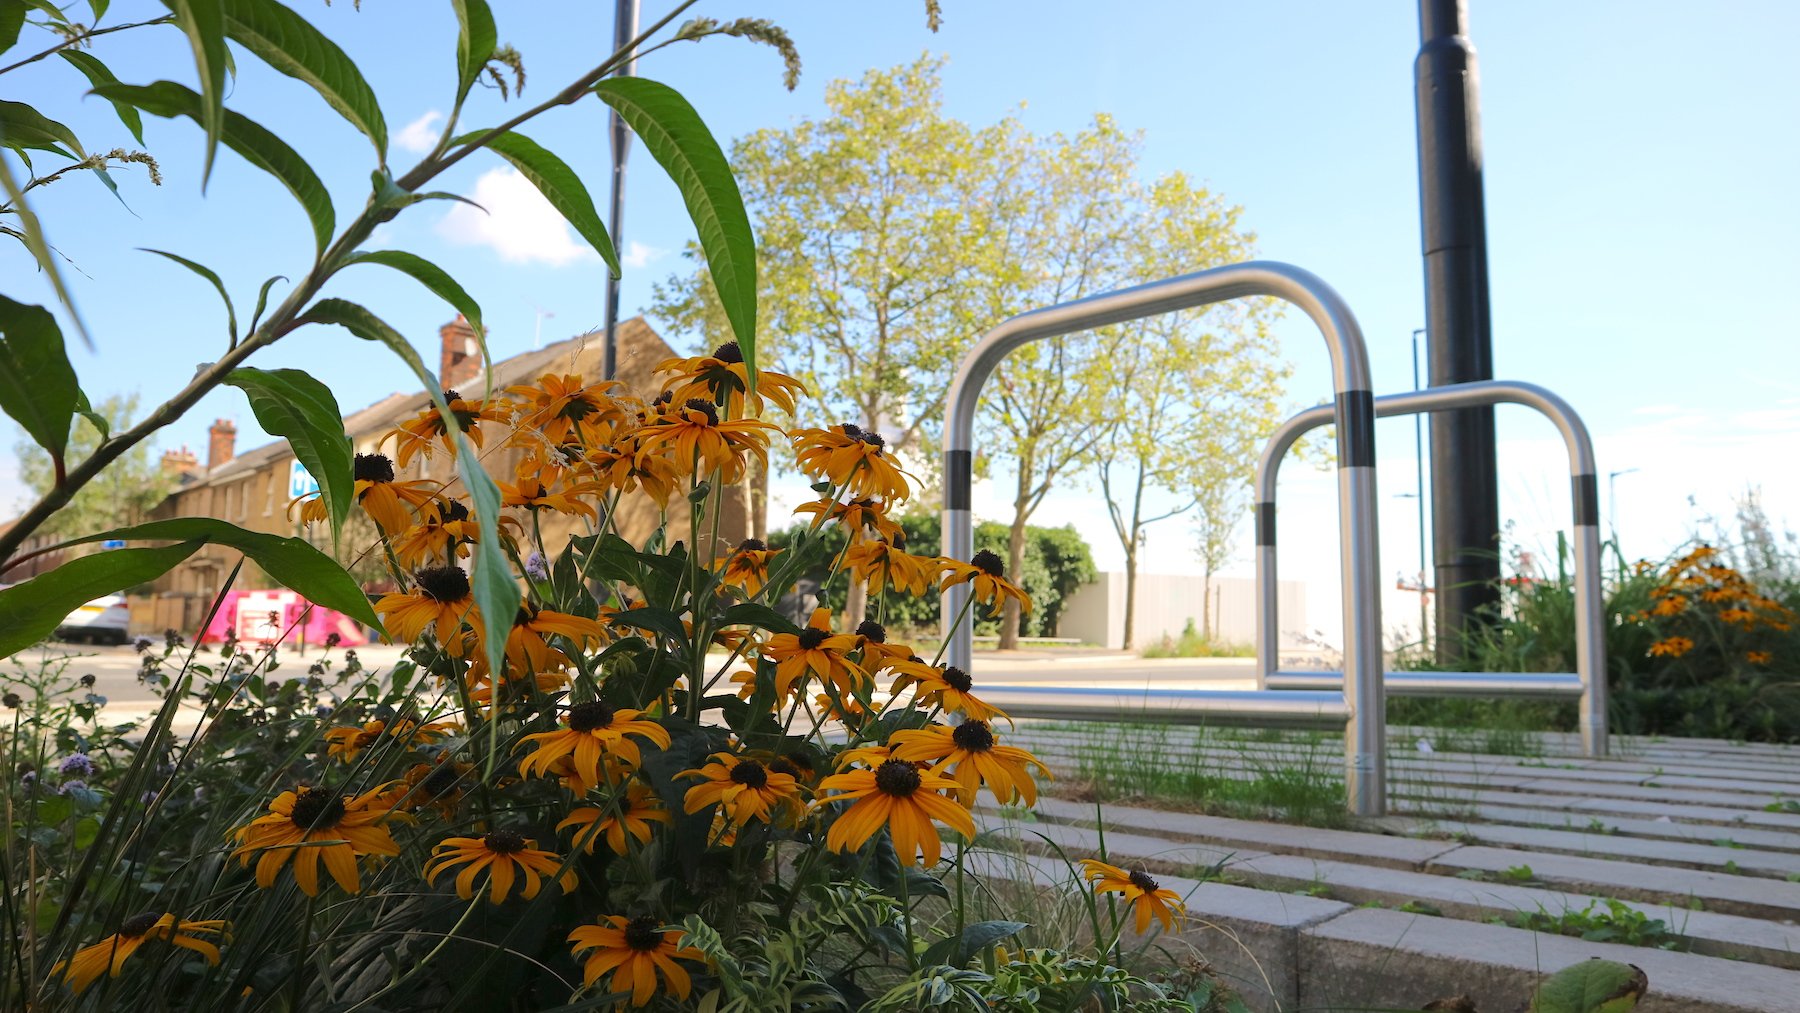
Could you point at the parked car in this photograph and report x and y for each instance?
(101, 621)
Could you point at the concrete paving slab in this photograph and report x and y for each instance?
(1083, 842)
(1657, 851)
(1756, 939)
(1562, 819)
(1393, 960)
(1751, 896)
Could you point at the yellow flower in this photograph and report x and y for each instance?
(507, 857)
(1147, 898)
(1671, 605)
(883, 561)
(563, 409)
(595, 730)
(747, 566)
(108, 955)
(526, 647)
(635, 951)
(743, 788)
(441, 598)
(970, 753)
(528, 493)
(636, 810)
(313, 825)
(815, 650)
(847, 456)
(696, 439)
(949, 688)
(440, 785)
(1758, 657)
(986, 576)
(901, 797)
(1672, 647)
(721, 378)
(348, 741)
(312, 508)
(417, 434)
(858, 517)
(386, 500)
(620, 467)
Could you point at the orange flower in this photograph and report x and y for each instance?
(697, 440)
(528, 493)
(418, 434)
(1148, 899)
(1672, 647)
(746, 566)
(109, 954)
(744, 789)
(507, 856)
(621, 468)
(949, 688)
(881, 561)
(314, 825)
(986, 576)
(595, 729)
(858, 517)
(1758, 657)
(849, 457)
(635, 811)
(635, 951)
(901, 797)
(815, 650)
(563, 409)
(441, 599)
(721, 378)
(347, 742)
(386, 500)
(972, 754)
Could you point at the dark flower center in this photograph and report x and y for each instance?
(753, 545)
(443, 584)
(869, 629)
(783, 765)
(503, 842)
(585, 717)
(811, 638)
(897, 778)
(898, 540)
(140, 923)
(452, 395)
(525, 615)
(663, 398)
(874, 440)
(750, 773)
(453, 511)
(851, 430)
(989, 563)
(958, 679)
(1141, 879)
(442, 779)
(317, 809)
(374, 468)
(974, 736)
(705, 408)
(643, 934)
(578, 408)
(728, 352)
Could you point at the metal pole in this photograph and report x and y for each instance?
(625, 28)
(1419, 463)
(1465, 493)
(1365, 732)
(1590, 630)
(1612, 499)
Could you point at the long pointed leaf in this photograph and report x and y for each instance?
(676, 137)
(289, 43)
(98, 75)
(21, 126)
(246, 137)
(206, 272)
(290, 404)
(203, 21)
(37, 384)
(289, 562)
(32, 610)
(496, 593)
(438, 281)
(12, 18)
(475, 43)
(559, 185)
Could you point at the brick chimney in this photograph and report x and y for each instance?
(180, 462)
(461, 359)
(221, 443)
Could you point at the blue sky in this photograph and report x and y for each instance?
(1640, 160)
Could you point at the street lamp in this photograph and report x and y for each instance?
(1612, 501)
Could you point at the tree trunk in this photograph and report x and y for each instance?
(1015, 566)
(856, 604)
(759, 503)
(1130, 599)
(1206, 593)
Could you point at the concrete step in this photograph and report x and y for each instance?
(1418, 799)
(1750, 896)
(1564, 819)
(1655, 851)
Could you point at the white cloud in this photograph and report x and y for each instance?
(639, 254)
(519, 223)
(420, 135)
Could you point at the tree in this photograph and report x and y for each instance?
(1193, 392)
(1216, 524)
(122, 493)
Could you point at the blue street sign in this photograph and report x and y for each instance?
(300, 481)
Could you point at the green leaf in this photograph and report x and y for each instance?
(677, 138)
(289, 562)
(203, 21)
(475, 42)
(34, 239)
(99, 8)
(262, 300)
(1592, 986)
(656, 620)
(757, 615)
(206, 272)
(977, 938)
(246, 137)
(86, 411)
(439, 282)
(12, 18)
(291, 404)
(37, 384)
(22, 127)
(98, 75)
(289, 43)
(33, 610)
(559, 185)
(495, 592)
